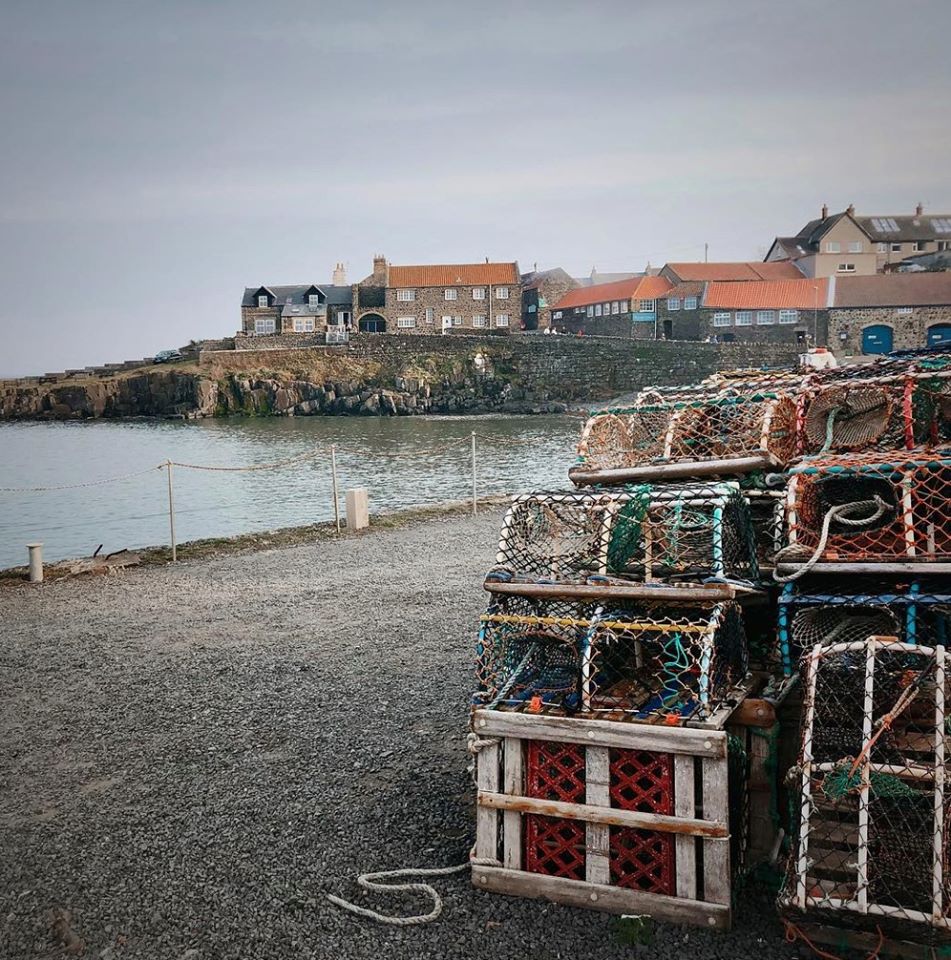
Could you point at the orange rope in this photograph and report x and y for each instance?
(793, 933)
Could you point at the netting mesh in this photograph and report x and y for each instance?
(716, 429)
(639, 533)
(872, 833)
(876, 507)
(626, 660)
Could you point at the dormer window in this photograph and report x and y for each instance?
(313, 299)
(262, 300)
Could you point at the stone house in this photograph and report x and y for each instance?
(894, 311)
(845, 244)
(473, 298)
(541, 289)
(624, 308)
(301, 308)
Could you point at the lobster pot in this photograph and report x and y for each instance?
(768, 517)
(619, 659)
(896, 507)
(613, 817)
(872, 837)
(887, 413)
(640, 533)
(669, 440)
(823, 612)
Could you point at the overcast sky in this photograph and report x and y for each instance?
(157, 157)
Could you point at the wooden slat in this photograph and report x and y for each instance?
(581, 476)
(762, 825)
(885, 568)
(864, 942)
(576, 893)
(634, 591)
(513, 784)
(602, 733)
(716, 853)
(686, 847)
(598, 835)
(610, 816)
(487, 819)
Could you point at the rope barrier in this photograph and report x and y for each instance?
(300, 458)
(77, 486)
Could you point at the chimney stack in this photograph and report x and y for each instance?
(825, 211)
(850, 209)
(340, 276)
(919, 210)
(379, 268)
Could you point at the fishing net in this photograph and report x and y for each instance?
(622, 661)
(871, 507)
(768, 516)
(871, 848)
(644, 532)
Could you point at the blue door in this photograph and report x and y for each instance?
(877, 339)
(939, 335)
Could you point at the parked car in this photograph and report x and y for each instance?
(167, 356)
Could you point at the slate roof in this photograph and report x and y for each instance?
(297, 293)
(538, 277)
(894, 290)
(597, 278)
(454, 274)
(924, 227)
(768, 295)
(740, 271)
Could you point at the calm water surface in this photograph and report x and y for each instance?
(401, 461)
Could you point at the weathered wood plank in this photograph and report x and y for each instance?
(487, 819)
(633, 591)
(716, 853)
(580, 476)
(514, 785)
(610, 816)
(686, 846)
(864, 942)
(602, 733)
(576, 893)
(597, 835)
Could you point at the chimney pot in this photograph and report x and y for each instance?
(825, 211)
(850, 210)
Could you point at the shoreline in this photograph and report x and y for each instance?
(277, 538)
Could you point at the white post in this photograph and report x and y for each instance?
(333, 467)
(475, 498)
(358, 510)
(36, 562)
(171, 511)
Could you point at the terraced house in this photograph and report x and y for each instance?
(472, 298)
(625, 308)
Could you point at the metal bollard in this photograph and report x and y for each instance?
(358, 509)
(36, 562)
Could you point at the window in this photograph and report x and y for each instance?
(833, 246)
(457, 321)
(615, 306)
(478, 293)
(846, 268)
(941, 224)
(855, 246)
(721, 319)
(405, 322)
(501, 293)
(556, 315)
(313, 299)
(690, 303)
(673, 303)
(430, 314)
(407, 296)
(450, 294)
(264, 325)
(744, 318)
(501, 319)
(344, 316)
(881, 247)
(905, 311)
(597, 309)
(645, 306)
(788, 316)
(532, 308)
(590, 310)
(624, 306)
(895, 247)
(765, 318)
(478, 321)
(262, 300)
(919, 245)
(303, 324)
(944, 244)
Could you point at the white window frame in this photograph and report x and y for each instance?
(501, 293)
(450, 293)
(765, 318)
(405, 323)
(264, 326)
(478, 320)
(919, 246)
(845, 268)
(405, 296)
(478, 293)
(590, 310)
(646, 306)
(855, 246)
(344, 316)
(501, 319)
(263, 302)
(625, 306)
(744, 318)
(905, 311)
(303, 324)
(598, 309)
(789, 316)
(457, 321)
(556, 315)
(690, 303)
(673, 303)
(894, 247)
(615, 307)
(723, 319)
(313, 299)
(430, 314)
(881, 247)
(833, 246)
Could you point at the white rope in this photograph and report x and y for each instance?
(76, 486)
(841, 514)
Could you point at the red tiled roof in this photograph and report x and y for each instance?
(637, 288)
(450, 274)
(780, 270)
(894, 290)
(768, 295)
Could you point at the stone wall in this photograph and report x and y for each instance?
(464, 307)
(278, 341)
(909, 330)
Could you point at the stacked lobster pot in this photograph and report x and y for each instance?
(619, 726)
(864, 620)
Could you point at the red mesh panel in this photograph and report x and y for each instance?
(555, 847)
(642, 859)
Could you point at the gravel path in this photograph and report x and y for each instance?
(193, 755)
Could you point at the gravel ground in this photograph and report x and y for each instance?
(192, 756)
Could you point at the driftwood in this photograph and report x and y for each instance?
(98, 564)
